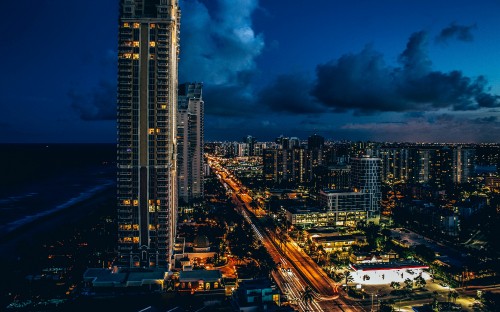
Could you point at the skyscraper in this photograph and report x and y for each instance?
(190, 141)
(148, 49)
(367, 178)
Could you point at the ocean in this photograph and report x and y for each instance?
(38, 180)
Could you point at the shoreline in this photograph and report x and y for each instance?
(33, 231)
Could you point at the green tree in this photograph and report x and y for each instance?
(386, 306)
(348, 278)
(395, 285)
(420, 282)
(408, 284)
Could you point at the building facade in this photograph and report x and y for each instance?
(367, 178)
(190, 141)
(148, 49)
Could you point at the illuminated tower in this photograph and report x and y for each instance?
(367, 178)
(190, 141)
(148, 49)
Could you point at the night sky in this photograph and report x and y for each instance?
(387, 70)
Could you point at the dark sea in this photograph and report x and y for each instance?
(37, 180)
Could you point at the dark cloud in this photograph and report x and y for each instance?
(458, 32)
(219, 48)
(363, 83)
(435, 128)
(486, 120)
(99, 104)
(228, 100)
(289, 93)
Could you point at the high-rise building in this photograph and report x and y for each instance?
(367, 178)
(251, 141)
(190, 141)
(148, 49)
(463, 164)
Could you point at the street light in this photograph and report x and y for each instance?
(373, 294)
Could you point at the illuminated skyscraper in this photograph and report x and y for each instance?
(148, 49)
(367, 178)
(190, 141)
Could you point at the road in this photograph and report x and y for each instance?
(296, 269)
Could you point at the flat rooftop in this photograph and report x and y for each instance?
(397, 265)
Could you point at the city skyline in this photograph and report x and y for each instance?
(383, 72)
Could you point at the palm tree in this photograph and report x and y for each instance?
(307, 296)
(420, 282)
(395, 285)
(320, 250)
(408, 284)
(348, 278)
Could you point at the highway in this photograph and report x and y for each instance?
(296, 269)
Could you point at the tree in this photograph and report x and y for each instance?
(408, 284)
(386, 306)
(420, 282)
(348, 278)
(396, 285)
(307, 296)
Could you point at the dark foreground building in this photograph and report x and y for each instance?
(148, 48)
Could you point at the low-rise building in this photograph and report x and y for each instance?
(256, 295)
(313, 217)
(105, 279)
(200, 280)
(370, 257)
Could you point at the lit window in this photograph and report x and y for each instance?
(151, 130)
(136, 25)
(126, 55)
(152, 44)
(136, 202)
(136, 239)
(126, 25)
(136, 56)
(135, 44)
(152, 25)
(126, 202)
(163, 106)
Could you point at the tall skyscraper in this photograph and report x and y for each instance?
(148, 49)
(367, 178)
(190, 141)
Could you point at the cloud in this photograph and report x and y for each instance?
(217, 46)
(365, 84)
(98, 104)
(290, 94)
(439, 128)
(458, 32)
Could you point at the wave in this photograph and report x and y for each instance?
(9, 227)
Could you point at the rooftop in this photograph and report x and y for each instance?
(397, 265)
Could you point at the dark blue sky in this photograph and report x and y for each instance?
(385, 70)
